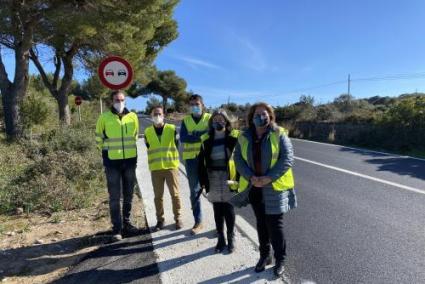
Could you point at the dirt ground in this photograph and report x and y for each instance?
(40, 249)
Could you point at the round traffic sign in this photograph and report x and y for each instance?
(115, 72)
(78, 100)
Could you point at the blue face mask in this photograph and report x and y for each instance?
(260, 120)
(196, 110)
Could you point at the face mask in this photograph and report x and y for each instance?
(119, 107)
(260, 120)
(157, 119)
(218, 126)
(196, 110)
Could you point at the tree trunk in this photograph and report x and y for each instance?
(11, 115)
(64, 112)
(13, 95)
(164, 104)
(62, 94)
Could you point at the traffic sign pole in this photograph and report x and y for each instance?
(79, 114)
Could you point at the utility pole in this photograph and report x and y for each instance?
(349, 83)
(228, 100)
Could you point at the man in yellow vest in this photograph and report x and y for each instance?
(116, 136)
(163, 158)
(194, 125)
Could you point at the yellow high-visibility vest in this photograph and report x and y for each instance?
(162, 153)
(286, 181)
(231, 164)
(191, 150)
(117, 136)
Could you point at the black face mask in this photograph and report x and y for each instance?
(260, 120)
(218, 126)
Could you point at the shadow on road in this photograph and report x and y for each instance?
(398, 165)
(43, 259)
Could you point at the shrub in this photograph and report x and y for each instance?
(60, 171)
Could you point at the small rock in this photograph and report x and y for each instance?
(54, 240)
(59, 233)
(39, 242)
(19, 211)
(4, 279)
(10, 234)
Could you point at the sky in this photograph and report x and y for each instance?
(276, 50)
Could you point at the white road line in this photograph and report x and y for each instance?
(364, 176)
(359, 149)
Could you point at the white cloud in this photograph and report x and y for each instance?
(254, 56)
(196, 62)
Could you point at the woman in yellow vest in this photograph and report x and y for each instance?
(215, 174)
(116, 135)
(193, 126)
(163, 159)
(264, 158)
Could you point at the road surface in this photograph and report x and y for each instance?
(360, 216)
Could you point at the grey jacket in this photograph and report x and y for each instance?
(276, 202)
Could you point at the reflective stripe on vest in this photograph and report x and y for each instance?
(191, 150)
(286, 181)
(118, 136)
(162, 153)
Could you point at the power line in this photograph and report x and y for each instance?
(405, 76)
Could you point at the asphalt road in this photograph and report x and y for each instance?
(360, 216)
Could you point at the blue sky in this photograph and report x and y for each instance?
(271, 50)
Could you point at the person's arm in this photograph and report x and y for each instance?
(176, 138)
(241, 166)
(202, 169)
(285, 160)
(137, 126)
(100, 127)
(185, 137)
(146, 140)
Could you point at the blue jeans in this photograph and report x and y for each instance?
(125, 175)
(192, 176)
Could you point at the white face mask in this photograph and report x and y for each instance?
(119, 107)
(157, 119)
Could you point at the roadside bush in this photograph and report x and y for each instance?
(61, 170)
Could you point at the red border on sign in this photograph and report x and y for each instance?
(103, 79)
(78, 100)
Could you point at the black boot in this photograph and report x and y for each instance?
(261, 264)
(221, 243)
(279, 268)
(230, 242)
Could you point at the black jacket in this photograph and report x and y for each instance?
(204, 157)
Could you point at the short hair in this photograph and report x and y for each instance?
(155, 107)
(251, 112)
(196, 97)
(114, 93)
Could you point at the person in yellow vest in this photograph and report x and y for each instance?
(116, 135)
(163, 159)
(264, 159)
(217, 174)
(193, 126)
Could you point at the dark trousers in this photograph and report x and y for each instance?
(120, 178)
(224, 211)
(269, 228)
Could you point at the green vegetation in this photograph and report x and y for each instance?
(388, 123)
(50, 168)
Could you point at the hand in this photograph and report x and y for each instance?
(264, 180)
(255, 181)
